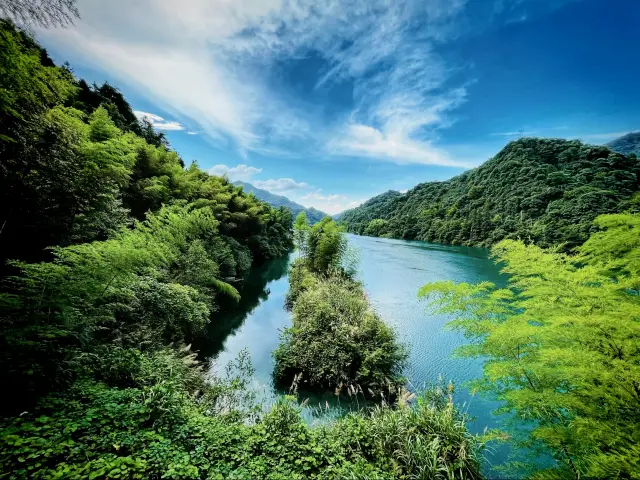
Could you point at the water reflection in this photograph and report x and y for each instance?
(255, 289)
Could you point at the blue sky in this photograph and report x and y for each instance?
(332, 102)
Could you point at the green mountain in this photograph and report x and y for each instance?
(629, 143)
(543, 190)
(274, 200)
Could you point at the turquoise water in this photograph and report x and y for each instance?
(392, 272)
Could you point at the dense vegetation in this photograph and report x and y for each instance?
(336, 340)
(313, 215)
(627, 144)
(118, 257)
(545, 191)
(562, 343)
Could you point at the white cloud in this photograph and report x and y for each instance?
(213, 62)
(239, 172)
(280, 185)
(362, 140)
(192, 133)
(331, 203)
(158, 122)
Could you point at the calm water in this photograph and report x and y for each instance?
(392, 272)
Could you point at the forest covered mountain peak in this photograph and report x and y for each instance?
(546, 191)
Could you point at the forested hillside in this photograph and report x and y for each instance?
(629, 143)
(274, 200)
(103, 198)
(547, 191)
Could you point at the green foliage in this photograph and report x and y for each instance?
(376, 228)
(547, 191)
(159, 426)
(300, 232)
(562, 345)
(109, 239)
(324, 246)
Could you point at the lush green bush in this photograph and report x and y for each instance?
(161, 427)
(546, 191)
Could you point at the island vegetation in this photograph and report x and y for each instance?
(336, 341)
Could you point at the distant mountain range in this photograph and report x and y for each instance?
(629, 143)
(313, 215)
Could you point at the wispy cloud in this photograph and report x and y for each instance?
(363, 140)
(280, 185)
(239, 172)
(158, 122)
(209, 61)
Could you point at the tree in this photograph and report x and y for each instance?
(325, 247)
(43, 13)
(300, 232)
(561, 345)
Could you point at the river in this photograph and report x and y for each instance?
(392, 272)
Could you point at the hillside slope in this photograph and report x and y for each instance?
(542, 190)
(629, 143)
(274, 200)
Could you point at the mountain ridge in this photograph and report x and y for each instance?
(626, 144)
(275, 200)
